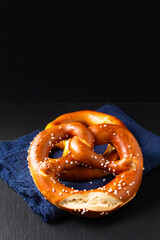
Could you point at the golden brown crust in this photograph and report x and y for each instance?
(127, 169)
(86, 117)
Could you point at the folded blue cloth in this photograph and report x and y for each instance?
(14, 166)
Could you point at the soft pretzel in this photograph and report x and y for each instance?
(95, 202)
(88, 118)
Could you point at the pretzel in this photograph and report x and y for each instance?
(95, 202)
(88, 118)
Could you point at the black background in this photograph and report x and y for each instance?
(72, 53)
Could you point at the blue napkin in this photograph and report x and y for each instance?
(14, 167)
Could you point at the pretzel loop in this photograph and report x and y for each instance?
(88, 118)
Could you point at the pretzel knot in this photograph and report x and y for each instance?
(127, 168)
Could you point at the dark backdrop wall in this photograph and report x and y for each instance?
(78, 53)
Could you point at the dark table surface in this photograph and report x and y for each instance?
(139, 219)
